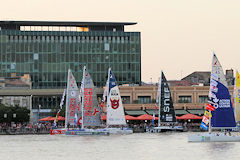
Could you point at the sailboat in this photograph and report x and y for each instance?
(166, 112)
(72, 99)
(89, 116)
(219, 112)
(115, 111)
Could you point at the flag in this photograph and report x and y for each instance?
(210, 107)
(153, 118)
(207, 114)
(205, 120)
(78, 107)
(79, 122)
(101, 105)
(204, 126)
(104, 95)
(75, 119)
(156, 107)
(62, 100)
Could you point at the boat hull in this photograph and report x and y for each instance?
(57, 131)
(119, 130)
(164, 129)
(213, 138)
(83, 132)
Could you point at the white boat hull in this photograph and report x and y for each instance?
(164, 129)
(119, 130)
(83, 132)
(214, 137)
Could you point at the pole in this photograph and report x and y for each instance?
(159, 99)
(83, 81)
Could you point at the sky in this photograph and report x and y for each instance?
(177, 36)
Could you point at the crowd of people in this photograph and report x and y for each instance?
(25, 128)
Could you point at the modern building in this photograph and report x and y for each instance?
(47, 49)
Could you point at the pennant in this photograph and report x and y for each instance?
(205, 120)
(207, 114)
(101, 105)
(75, 119)
(210, 107)
(79, 122)
(62, 100)
(204, 126)
(78, 107)
(156, 107)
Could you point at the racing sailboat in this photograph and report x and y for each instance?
(115, 111)
(219, 112)
(166, 112)
(90, 113)
(72, 99)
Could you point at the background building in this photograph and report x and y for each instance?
(46, 50)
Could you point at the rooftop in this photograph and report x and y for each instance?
(64, 23)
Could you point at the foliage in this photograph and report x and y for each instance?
(22, 114)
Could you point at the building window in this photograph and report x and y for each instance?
(126, 99)
(185, 99)
(202, 99)
(106, 47)
(144, 99)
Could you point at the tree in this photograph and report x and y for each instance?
(14, 114)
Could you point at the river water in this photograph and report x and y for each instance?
(138, 146)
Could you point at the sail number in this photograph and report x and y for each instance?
(166, 102)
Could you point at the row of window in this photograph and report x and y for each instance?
(147, 99)
(68, 39)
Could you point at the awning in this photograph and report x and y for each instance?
(135, 112)
(151, 112)
(196, 111)
(189, 116)
(127, 117)
(180, 112)
(146, 117)
(46, 119)
(60, 118)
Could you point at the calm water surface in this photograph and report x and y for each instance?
(142, 146)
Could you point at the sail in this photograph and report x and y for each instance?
(237, 97)
(219, 98)
(72, 100)
(91, 109)
(115, 112)
(167, 112)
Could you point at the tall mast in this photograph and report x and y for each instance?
(159, 99)
(107, 84)
(210, 118)
(66, 112)
(83, 81)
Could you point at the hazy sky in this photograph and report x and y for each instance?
(177, 36)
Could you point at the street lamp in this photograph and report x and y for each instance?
(14, 115)
(5, 115)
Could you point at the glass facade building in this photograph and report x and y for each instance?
(46, 50)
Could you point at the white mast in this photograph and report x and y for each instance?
(159, 99)
(107, 84)
(83, 81)
(66, 113)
